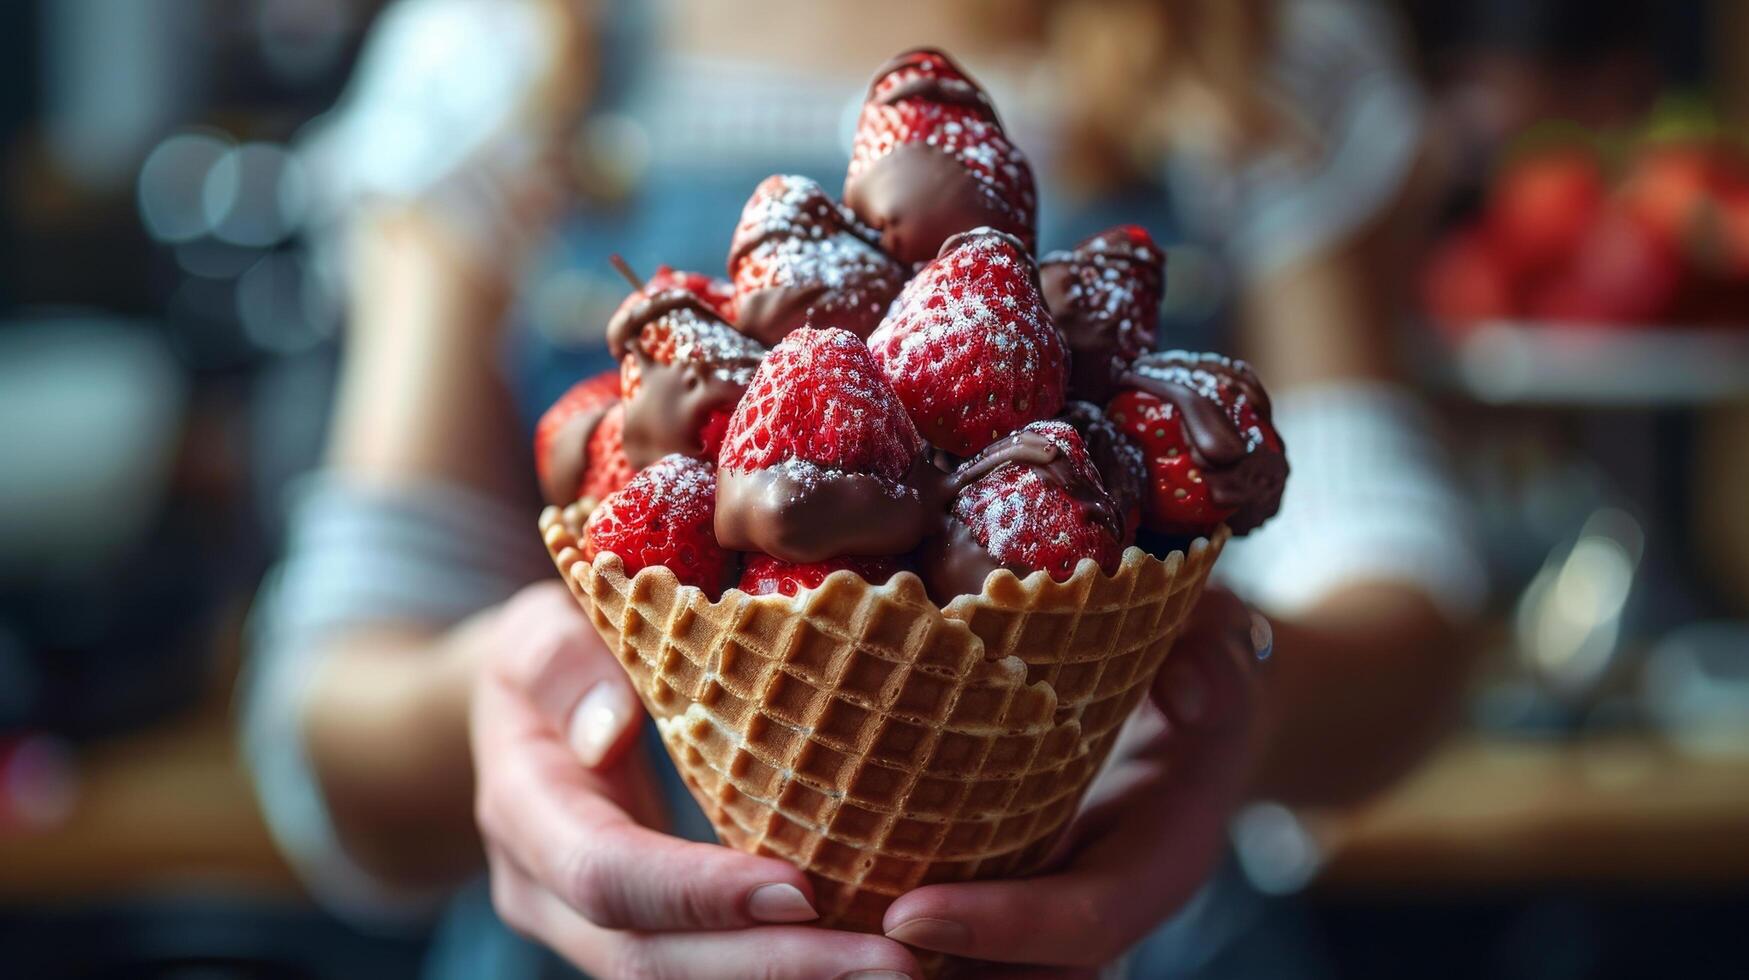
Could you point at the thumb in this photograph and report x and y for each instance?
(550, 655)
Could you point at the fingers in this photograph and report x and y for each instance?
(1117, 889)
(1136, 856)
(1209, 683)
(567, 828)
(776, 952)
(551, 655)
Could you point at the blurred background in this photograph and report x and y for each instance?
(169, 326)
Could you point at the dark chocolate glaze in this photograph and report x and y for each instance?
(564, 471)
(629, 320)
(1099, 350)
(811, 514)
(1248, 479)
(917, 197)
(1120, 462)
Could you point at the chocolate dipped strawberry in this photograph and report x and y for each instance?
(969, 347)
(682, 369)
(1028, 502)
(1203, 423)
(799, 258)
(820, 459)
(565, 432)
(931, 159)
(1104, 295)
(1122, 467)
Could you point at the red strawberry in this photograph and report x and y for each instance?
(1105, 298)
(817, 457)
(931, 160)
(663, 517)
(799, 258)
(1203, 422)
(1622, 274)
(766, 575)
(969, 345)
(682, 369)
(717, 293)
(1540, 208)
(565, 431)
(820, 399)
(608, 468)
(1032, 501)
(1464, 282)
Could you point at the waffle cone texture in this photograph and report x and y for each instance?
(878, 741)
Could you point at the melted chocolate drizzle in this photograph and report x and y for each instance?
(1247, 479)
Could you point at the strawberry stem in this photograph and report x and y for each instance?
(624, 269)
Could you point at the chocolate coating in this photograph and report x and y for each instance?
(916, 197)
(804, 513)
(1242, 475)
(570, 455)
(1097, 331)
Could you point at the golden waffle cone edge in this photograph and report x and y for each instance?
(873, 739)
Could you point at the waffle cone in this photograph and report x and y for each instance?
(875, 740)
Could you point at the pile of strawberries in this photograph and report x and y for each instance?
(896, 382)
(1566, 238)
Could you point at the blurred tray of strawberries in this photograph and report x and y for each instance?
(1603, 268)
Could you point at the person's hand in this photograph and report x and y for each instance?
(1150, 832)
(567, 809)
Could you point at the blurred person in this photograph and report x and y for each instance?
(401, 627)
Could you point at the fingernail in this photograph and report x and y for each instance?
(597, 721)
(1262, 636)
(938, 934)
(1186, 693)
(874, 975)
(780, 903)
